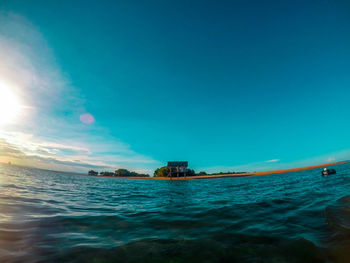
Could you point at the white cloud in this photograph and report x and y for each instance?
(273, 161)
(331, 159)
(17, 148)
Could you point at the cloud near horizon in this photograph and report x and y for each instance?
(273, 161)
(66, 156)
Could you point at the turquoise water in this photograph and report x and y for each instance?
(58, 217)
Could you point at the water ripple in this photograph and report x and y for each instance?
(57, 217)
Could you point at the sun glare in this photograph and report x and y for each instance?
(9, 105)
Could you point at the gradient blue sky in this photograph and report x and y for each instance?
(226, 85)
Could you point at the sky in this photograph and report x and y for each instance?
(225, 85)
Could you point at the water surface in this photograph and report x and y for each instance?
(58, 217)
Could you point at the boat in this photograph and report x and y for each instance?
(326, 171)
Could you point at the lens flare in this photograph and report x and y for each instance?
(9, 105)
(87, 118)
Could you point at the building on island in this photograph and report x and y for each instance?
(177, 169)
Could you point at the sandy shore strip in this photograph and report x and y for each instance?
(232, 175)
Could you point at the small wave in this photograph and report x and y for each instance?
(338, 218)
(227, 249)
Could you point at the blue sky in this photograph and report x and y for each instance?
(226, 85)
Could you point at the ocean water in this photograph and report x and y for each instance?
(58, 217)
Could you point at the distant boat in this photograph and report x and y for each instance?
(326, 171)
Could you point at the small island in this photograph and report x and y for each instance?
(173, 170)
(180, 169)
(117, 173)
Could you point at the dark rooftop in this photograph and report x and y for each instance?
(174, 164)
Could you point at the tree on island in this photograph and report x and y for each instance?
(122, 172)
(106, 174)
(227, 173)
(190, 172)
(92, 172)
(164, 172)
(125, 173)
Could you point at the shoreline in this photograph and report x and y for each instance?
(214, 176)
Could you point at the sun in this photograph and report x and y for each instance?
(9, 105)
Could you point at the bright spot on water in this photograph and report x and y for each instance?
(87, 118)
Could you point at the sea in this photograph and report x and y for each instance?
(50, 216)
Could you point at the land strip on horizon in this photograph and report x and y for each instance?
(281, 171)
